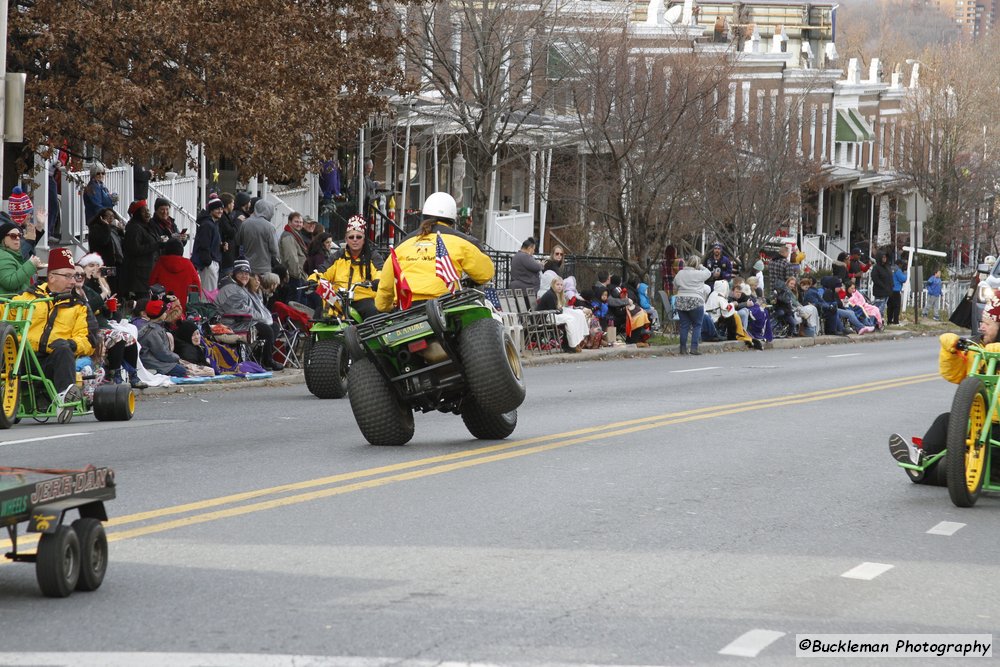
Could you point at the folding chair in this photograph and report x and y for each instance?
(293, 325)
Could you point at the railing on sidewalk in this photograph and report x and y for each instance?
(73, 212)
(816, 257)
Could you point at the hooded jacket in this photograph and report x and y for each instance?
(717, 305)
(176, 274)
(256, 238)
(882, 278)
(207, 242)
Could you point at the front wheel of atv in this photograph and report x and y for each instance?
(326, 369)
(492, 366)
(381, 416)
(486, 425)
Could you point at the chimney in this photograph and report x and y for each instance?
(853, 71)
(654, 13)
(875, 71)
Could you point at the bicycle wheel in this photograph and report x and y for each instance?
(966, 451)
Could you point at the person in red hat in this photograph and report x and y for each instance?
(58, 332)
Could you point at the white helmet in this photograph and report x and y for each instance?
(440, 205)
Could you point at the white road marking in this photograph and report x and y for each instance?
(749, 644)
(838, 356)
(867, 571)
(237, 660)
(47, 437)
(946, 528)
(695, 370)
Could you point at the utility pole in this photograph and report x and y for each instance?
(3, 88)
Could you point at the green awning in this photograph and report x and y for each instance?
(852, 127)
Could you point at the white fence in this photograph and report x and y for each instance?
(182, 193)
(508, 229)
(74, 219)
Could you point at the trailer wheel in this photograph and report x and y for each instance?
(114, 403)
(57, 566)
(10, 388)
(93, 553)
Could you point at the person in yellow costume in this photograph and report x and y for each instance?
(357, 262)
(417, 255)
(59, 331)
(954, 365)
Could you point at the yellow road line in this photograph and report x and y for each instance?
(577, 436)
(459, 465)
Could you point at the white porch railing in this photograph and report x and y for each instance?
(508, 229)
(303, 200)
(816, 258)
(74, 219)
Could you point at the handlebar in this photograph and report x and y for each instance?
(964, 344)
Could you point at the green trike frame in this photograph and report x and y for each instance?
(972, 438)
(27, 393)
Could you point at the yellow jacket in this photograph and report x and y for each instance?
(417, 259)
(64, 318)
(345, 270)
(953, 364)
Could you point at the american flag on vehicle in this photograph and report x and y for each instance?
(445, 270)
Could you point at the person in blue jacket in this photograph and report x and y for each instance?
(895, 299)
(933, 304)
(642, 290)
(95, 195)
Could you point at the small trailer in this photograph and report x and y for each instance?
(69, 557)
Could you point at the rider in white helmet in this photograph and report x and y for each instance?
(417, 255)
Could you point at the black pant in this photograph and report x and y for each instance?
(892, 308)
(366, 308)
(265, 334)
(122, 352)
(935, 441)
(59, 365)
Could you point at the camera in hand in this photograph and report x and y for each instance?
(109, 270)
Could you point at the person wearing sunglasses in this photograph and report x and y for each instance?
(60, 329)
(557, 261)
(357, 262)
(15, 271)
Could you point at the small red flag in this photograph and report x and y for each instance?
(403, 294)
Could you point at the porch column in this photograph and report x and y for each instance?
(820, 210)
(532, 175)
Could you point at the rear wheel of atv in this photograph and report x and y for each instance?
(488, 426)
(381, 416)
(326, 369)
(492, 366)
(10, 388)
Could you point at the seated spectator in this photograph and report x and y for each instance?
(547, 278)
(722, 313)
(240, 298)
(617, 301)
(642, 291)
(175, 272)
(599, 306)
(156, 344)
(187, 345)
(15, 271)
(63, 324)
(754, 289)
(573, 297)
(573, 321)
(832, 289)
(810, 294)
(867, 312)
(795, 313)
(556, 262)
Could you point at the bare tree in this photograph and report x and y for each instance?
(493, 64)
(891, 30)
(951, 138)
(757, 186)
(650, 123)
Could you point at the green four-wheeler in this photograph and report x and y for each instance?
(447, 354)
(326, 360)
(973, 432)
(27, 393)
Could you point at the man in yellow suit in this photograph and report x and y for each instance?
(954, 365)
(417, 256)
(59, 331)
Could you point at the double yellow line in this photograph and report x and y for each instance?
(334, 485)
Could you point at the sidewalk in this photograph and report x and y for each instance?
(295, 376)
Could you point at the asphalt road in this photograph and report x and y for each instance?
(647, 511)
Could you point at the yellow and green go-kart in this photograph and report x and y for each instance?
(971, 435)
(25, 392)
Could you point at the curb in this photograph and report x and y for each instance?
(295, 376)
(630, 351)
